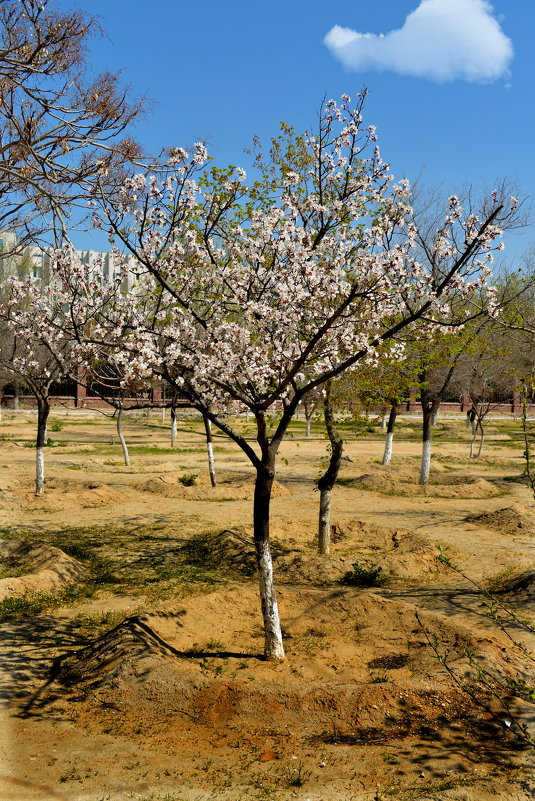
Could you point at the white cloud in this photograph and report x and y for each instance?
(441, 40)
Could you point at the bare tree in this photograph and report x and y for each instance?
(59, 125)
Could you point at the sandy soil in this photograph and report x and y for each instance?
(152, 687)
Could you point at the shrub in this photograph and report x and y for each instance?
(368, 576)
(188, 479)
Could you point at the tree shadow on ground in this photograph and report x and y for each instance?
(31, 682)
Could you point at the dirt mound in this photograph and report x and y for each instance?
(408, 557)
(400, 553)
(233, 548)
(70, 495)
(37, 568)
(508, 520)
(443, 485)
(339, 681)
(411, 556)
(245, 483)
(489, 460)
(95, 494)
(521, 587)
(228, 488)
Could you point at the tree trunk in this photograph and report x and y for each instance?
(387, 455)
(122, 440)
(163, 414)
(16, 392)
(328, 479)
(426, 444)
(43, 410)
(173, 426)
(309, 407)
(324, 528)
(325, 485)
(210, 450)
(481, 441)
(273, 647)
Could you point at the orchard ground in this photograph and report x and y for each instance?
(131, 629)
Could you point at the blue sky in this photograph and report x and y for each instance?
(451, 93)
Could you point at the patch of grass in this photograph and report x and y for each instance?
(10, 569)
(298, 776)
(14, 607)
(92, 625)
(497, 582)
(56, 425)
(100, 568)
(162, 449)
(367, 576)
(50, 443)
(188, 479)
(147, 560)
(215, 645)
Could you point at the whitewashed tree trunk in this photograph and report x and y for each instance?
(274, 649)
(473, 440)
(309, 407)
(426, 461)
(39, 470)
(428, 410)
(122, 440)
(163, 414)
(481, 443)
(265, 473)
(210, 450)
(389, 443)
(173, 427)
(43, 409)
(324, 528)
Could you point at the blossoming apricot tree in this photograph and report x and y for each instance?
(46, 327)
(258, 294)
